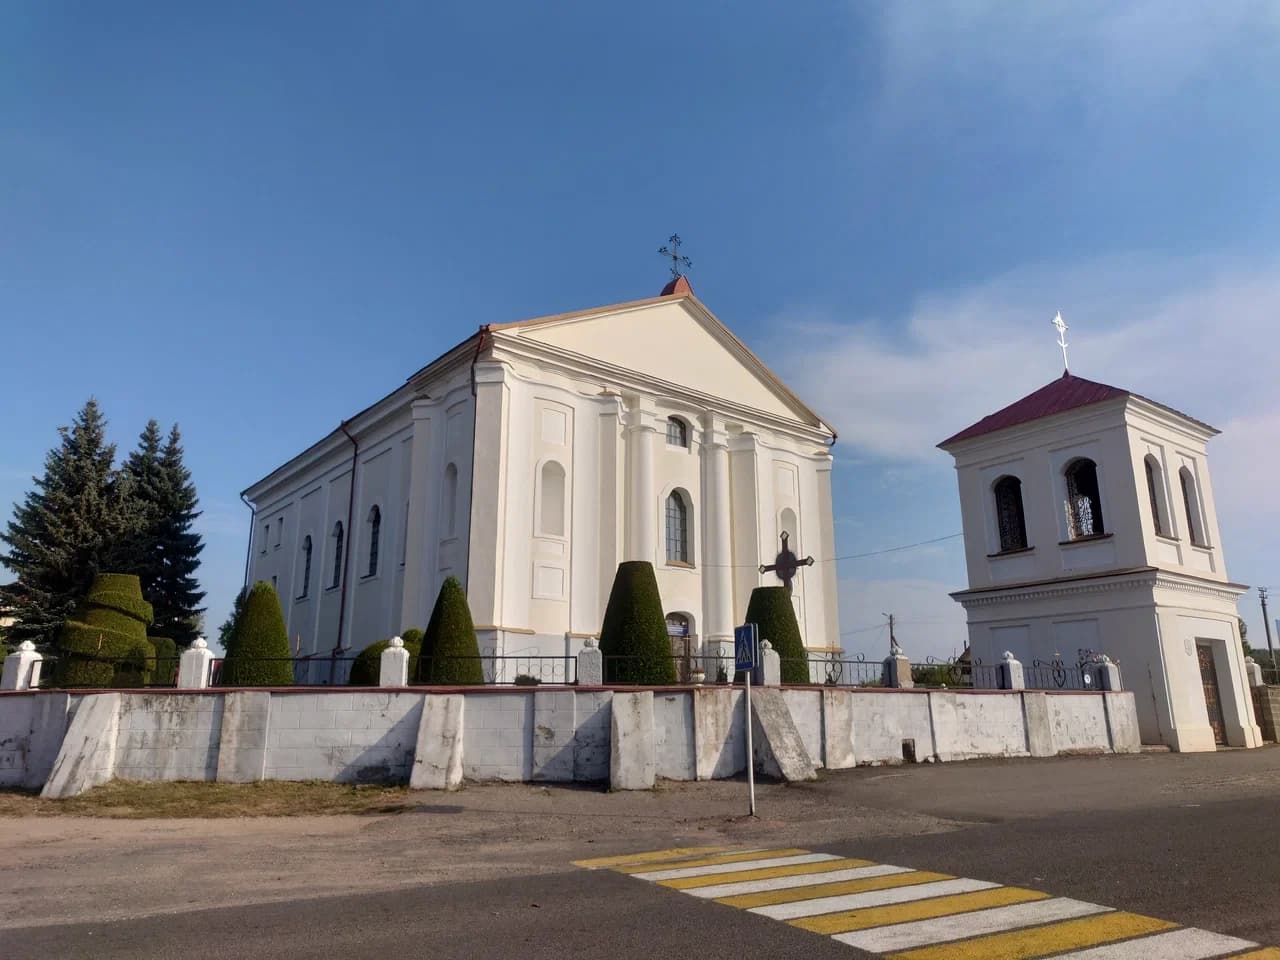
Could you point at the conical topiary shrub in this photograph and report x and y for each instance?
(259, 649)
(109, 625)
(366, 669)
(633, 639)
(771, 611)
(450, 653)
(165, 671)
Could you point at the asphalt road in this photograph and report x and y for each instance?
(1199, 850)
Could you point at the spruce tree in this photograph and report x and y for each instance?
(75, 523)
(166, 551)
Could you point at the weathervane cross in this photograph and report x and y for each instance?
(785, 565)
(1061, 324)
(672, 253)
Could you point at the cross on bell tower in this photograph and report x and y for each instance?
(672, 253)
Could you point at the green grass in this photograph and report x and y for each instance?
(133, 800)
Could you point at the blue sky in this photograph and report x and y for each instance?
(255, 219)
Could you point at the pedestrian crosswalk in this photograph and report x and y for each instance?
(908, 914)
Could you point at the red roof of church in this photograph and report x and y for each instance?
(677, 287)
(1066, 393)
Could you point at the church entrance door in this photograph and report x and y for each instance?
(1212, 698)
(681, 645)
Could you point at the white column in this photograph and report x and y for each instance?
(641, 506)
(414, 604)
(195, 666)
(22, 668)
(717, 550)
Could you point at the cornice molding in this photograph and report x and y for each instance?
(1148, 580)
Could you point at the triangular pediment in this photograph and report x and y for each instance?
(677, 340)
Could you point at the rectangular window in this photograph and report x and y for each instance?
(279, 531)
(266, 536)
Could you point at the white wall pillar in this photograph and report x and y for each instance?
(717, 551)
(393, 665)
(22, 668)
(195, 666)
(641, 506)
(488, 528)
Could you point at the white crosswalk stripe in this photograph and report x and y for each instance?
(803, 880)
(872, 898)
(903, 936)
(1189, 944)
(712, 870)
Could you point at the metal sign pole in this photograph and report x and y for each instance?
(751, 761)
(746, 641)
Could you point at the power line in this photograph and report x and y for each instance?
(856, 556)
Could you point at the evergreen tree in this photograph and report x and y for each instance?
(771, 611)
(227, 631)
(75, 523)
(259, 653)
(633, 638)
(165, 553)
(449, 653)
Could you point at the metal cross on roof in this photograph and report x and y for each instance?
(1061, 324)
(785, 565)
(672, 253)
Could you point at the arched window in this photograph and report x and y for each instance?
(337, 554)
(1155, 490)
(404, 543)
(1010, 518)
(1084, 501)
(677, 528)
(788, 524)
(306, 567)
(551, 510)
(450, 500)
(1191, 503)
(677, 432)
(375, 531)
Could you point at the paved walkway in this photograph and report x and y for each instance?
(909, 914)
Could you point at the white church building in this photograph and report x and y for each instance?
(532, 458)
(1090, 528)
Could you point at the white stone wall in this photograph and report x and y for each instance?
(519, 734)
(350, 737)
(166, 736)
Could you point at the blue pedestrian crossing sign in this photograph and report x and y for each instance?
(744, 646)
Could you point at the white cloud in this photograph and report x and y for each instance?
(1187, 333)
(1037, 55)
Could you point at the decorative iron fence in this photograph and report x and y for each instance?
(1057, 674)
(633, 671)
(833, 671)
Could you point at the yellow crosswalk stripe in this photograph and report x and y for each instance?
(651, 857)
(849, 920)
(719, 858)
(764, 873)
(1042, 941)
(1266, 953)
(791, 895)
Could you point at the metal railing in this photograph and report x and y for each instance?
(623, 671)
(1059, 675)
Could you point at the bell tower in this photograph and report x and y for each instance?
(1090, 528)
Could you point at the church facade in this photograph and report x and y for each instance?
(1090, 528)
(532, 458)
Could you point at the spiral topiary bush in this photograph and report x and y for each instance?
(771, 611)
(633, 640)
(109, 626)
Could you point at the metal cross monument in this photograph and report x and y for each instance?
(673, 254)
(785, 564)
(1061, 324)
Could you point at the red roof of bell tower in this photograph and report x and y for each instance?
(1068, 392)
